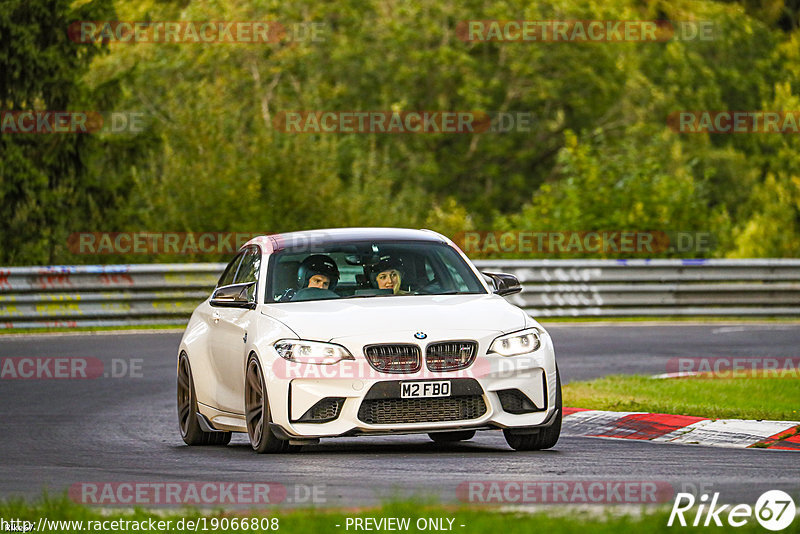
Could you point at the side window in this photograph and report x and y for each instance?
(230, 271)
(248, 270)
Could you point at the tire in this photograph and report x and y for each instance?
(257, 411)
(189, 426)
(546, 437)
(451, 437)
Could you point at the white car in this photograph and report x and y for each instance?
(364, 331)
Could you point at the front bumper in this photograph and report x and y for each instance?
(370, 403)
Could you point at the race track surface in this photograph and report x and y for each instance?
(57, 433)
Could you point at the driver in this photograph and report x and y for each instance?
(317, 277)
(318, 271)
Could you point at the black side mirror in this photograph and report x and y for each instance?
(504, 284)
(234, 296)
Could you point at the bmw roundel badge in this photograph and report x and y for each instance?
(420, 335)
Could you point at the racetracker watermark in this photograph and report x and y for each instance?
(583, 242)
(194, 32)
(158, 242)
(565, 491)
(735, 122)
(177, 493)
(403, 122)
(147, 242)
(68, 368)
(735, 367)
(71, 122)
(584, 31)
(361, 369)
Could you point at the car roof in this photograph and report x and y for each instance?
(338, 235)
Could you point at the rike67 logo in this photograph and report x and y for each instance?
(774, 510)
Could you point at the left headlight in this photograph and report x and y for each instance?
(517, 343)
(316, 352)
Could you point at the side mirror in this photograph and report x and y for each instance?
(234, 296)
(504, 284)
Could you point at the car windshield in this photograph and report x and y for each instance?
(369, 269)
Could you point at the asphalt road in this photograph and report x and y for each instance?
(58, 433)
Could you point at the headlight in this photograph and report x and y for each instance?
(298, 350)
(516, 343)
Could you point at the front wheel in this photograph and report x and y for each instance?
(258, 416)
(191, 432)
(546, 437)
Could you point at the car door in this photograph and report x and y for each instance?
(229, 327)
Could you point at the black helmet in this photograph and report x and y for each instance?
(317, 264)
(385, 263)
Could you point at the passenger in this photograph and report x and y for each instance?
(388, 274)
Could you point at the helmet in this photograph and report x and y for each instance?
(317, 264)
(385, 263)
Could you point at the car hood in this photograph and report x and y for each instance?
(330, 319)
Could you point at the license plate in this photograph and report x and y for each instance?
(415, 390)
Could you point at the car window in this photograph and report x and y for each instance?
(424, 269)
(456, 276)
(248, 270)
(230, 271)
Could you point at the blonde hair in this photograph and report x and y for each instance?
(396, 288)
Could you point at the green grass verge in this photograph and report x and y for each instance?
(476, 519)
(775, 398)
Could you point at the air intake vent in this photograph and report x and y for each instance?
(516, 402)
(398, 411)
(323, 411)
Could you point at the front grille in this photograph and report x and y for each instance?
(395, 358)
(323, 411)
(431, 410)
(450, 355)
(516, 402)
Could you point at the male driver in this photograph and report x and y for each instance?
(318, 271)
(316, 278)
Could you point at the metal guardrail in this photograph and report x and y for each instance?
(116, 295)
(616, 288)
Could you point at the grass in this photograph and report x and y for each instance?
(773, 397)
(475, 519)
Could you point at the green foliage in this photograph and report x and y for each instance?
(46, 188)
(599, 155)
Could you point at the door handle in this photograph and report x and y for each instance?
(215, 316)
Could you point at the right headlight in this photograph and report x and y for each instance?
(517, 343)
(301, 351)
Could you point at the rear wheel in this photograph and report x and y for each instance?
(258, 416)
(450, 437)
(191, 432)
(545, 438)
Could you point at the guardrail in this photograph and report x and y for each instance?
(117, 295)
(617, 288)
